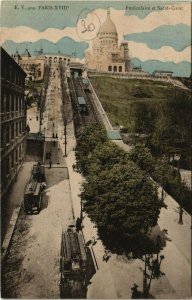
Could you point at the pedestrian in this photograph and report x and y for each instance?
(106, 256)
(135, 293)
(56, 136)
(73, 166)
(93, 241)
(78, 224)
(50, 163)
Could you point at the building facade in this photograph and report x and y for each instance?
(106, 54)
(13, 119)
(33, 66)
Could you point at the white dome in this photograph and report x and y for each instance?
(108, 26)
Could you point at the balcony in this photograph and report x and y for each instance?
(8, 116)
(9, 147)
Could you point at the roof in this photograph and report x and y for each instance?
(81, 100)
(56, 54)
(26, 53)
(6, 57)
(85, 81)
(72, 246)
(161, 71)
(33, 187)
(113, 135)
(108, 26)
(35, 136)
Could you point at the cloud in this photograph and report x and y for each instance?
(164, 36)
(124, 24)
(22, 33)
(65, 46)
(151, 21)
(182, 69)
(166, 53)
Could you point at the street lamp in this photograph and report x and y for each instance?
(58, 152)
(177, 158)
(65, 137)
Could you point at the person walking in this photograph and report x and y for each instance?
(78, 224)
(50, 163)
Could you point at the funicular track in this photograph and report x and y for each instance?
(77, 88)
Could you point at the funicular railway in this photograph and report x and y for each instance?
(83, 107)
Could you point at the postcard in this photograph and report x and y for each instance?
(96, 149)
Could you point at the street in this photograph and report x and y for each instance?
(31, 267)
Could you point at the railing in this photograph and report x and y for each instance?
(11, 145)
(7, 116)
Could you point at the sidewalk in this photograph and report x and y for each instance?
(11, 208)
(115, 278)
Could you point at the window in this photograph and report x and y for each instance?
(110, 68)
(16, 157)
(115, 68)
(16, 100)
(7, 166)
(12, 102)
(3, 142)
(7, 134)
(20, 100)
(120, 68)
(3, 101)
(12, 131)
(12, 159)
(7, 102)
(16, 124)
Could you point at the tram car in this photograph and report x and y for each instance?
(82, 105)
(34, 189)
(38, 172)
(73, 265)
(33, 197)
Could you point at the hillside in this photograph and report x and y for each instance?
(157, 109)
(119, 96)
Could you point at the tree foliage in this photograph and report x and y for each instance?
(163, 173)
(92, 135)
(142, 157)
(123, 203)
(117, 195)
(104, 157)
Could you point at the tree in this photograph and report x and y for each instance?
(92, 135)
(105, 156)
(123, 203)
(143, 158)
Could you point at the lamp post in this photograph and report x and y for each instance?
(58, 149)
(65, 137)
(53, 129)
(155, 271)
(178, 157)
(81, 212)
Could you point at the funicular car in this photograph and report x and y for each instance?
(73, 264)
(82, 105)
